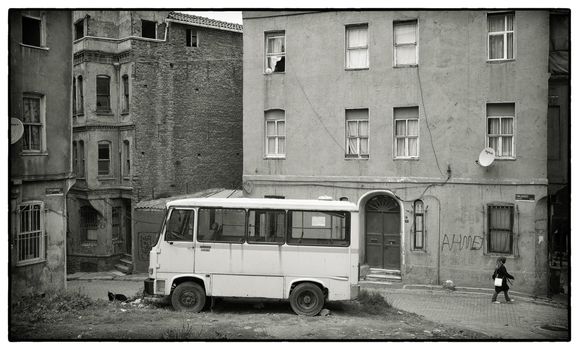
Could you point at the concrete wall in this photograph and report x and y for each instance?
(451, 86)
(44, 177)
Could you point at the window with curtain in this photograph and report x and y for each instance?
(501, 32)
(81, 165)
(103, 93)
(30, 238)
(500, 229)
(275, 52)
(80, 107)
(75, 157)
(406, 43)
(104, 158)
(418, 224)
(406, 132)
(357, 46)
(357, 133)
(32, 119)
(275, 133)
(500, 129)
(125, 80)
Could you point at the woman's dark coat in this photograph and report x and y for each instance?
(501, 272)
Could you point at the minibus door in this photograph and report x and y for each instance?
(176, 252)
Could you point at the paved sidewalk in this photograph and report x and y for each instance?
(520, 320)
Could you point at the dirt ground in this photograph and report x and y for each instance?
(229, 319)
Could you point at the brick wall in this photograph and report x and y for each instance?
(187, 110)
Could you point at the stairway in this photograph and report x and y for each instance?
(126, 264)
(383, 276)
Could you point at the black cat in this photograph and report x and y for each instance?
(117, 297)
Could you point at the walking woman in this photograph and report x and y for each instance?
(501, 272)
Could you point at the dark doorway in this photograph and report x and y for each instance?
(383, 233)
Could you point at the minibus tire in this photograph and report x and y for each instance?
(188, 296)
(307, 299)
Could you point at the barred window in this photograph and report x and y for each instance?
(30, 240)
(89, 223)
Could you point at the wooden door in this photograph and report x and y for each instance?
(383, 233)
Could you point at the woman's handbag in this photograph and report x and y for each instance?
(498, 282)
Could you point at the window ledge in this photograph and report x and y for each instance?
(105, 177)
(274, 157)
(43, 48)
(125, 113)
(405, 66)
(506, 255)
(355, 69)
(506, 159)
(501, 61)
(79, 114)
(33, 153)
(105, 113)
(418, 250)
(356, 158)
(30, 262)
(89, 244)
(407, 158)
(273, 73)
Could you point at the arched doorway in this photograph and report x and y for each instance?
(383, 232)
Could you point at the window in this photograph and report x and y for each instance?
(32, 118)
(116, 222)
(125, 80)
(500, 229)
(80, 107)
(500, 129)
(501, 34)
(31, 31)
(418, 224)
(319, 228)
(406, 132)
(357, 142)
(221, 225)
(357, 46)
(30, 238)
(104, 158)
(148, 29)
(406, 43)
(73, 97)
(192, 38)
(79, 29)
(81, 166)
(180, 226)
(103, 93)
(266, 226)
(275, 133)
(127, 161)
(275, 52)
(89, 223)
(74, 158)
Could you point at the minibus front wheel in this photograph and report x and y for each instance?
(307, 299)
(188, 296)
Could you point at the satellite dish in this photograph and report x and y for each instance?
(16, 130)
(486, 157)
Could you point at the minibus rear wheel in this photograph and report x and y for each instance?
(188, 296)
(307, 299)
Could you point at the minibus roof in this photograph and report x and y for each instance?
(265, 203)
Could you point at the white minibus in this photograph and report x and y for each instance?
(302, 250)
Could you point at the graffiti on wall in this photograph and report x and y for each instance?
(146, 241)
(462, 242)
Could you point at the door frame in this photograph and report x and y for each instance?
(362, 228)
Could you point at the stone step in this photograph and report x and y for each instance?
(128, 256)
(383, 277)
(376, 271)
(126, 261)
(123, 268)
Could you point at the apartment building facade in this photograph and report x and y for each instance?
(40, 71)
(392, 110)
(157, 113)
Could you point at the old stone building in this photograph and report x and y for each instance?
(158, 112)
(40, 72)
(392, 110)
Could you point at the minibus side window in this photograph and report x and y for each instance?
(221, 225)
(266, 226)
(319, 228)
(180, 226)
